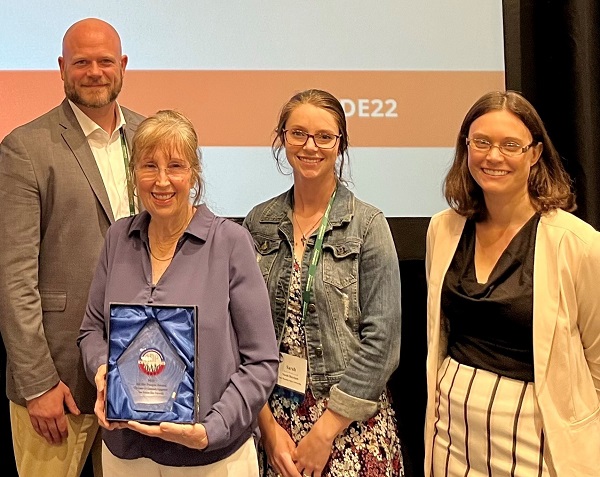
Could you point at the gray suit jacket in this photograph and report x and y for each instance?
(54, 213)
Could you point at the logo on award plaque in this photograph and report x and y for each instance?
(151, 362)
(151, 370)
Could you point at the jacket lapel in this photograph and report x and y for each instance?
(131, 124)
(76, 141)
(449, 230)
(545, 302)
(445, 253)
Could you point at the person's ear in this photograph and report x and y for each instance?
(537, 153)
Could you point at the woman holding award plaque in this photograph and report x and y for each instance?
(332, 272)
(177, 334)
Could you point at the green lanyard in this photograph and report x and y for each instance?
(316, 255)
(127, 172)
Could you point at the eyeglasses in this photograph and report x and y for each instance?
(509, 148)
(149, 170)
(296, 137)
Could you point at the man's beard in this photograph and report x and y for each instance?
(94, 100)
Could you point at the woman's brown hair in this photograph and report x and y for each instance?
(320, 99)
(549, 185)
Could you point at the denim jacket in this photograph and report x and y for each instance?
(352, 325)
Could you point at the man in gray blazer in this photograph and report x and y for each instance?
(62, 183)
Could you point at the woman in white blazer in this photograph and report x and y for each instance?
(513, 365)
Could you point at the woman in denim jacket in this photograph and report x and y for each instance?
(330, 414)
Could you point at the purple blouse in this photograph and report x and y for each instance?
(214, 268)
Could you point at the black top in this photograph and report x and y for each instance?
(491, 324)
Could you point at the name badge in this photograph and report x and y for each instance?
(292, 372)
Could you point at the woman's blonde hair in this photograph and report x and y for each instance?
(168, 130)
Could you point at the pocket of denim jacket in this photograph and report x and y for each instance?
(340, 263)
(266, 246)
(266, 249)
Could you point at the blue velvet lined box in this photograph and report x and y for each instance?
(151, 363)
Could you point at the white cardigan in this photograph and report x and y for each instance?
(566, 335)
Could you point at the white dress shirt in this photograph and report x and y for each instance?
(108, 152)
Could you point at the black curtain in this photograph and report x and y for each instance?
(552, 56)
(407, 384)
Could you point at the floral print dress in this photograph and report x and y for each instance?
(366, 448)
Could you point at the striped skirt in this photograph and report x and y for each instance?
(486, 425)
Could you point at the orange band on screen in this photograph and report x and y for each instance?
(240, 108)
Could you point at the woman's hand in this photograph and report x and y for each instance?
(99, 407)
(314, 449)
(279, 447)
(190, 435)
(312, 453)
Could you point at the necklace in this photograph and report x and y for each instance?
(160, 259)
(304, 239)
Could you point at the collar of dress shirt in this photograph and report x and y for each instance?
(88, 125)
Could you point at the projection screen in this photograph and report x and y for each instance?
(405, 71)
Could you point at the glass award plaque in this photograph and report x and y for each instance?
(151, 370)
(151, 363)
